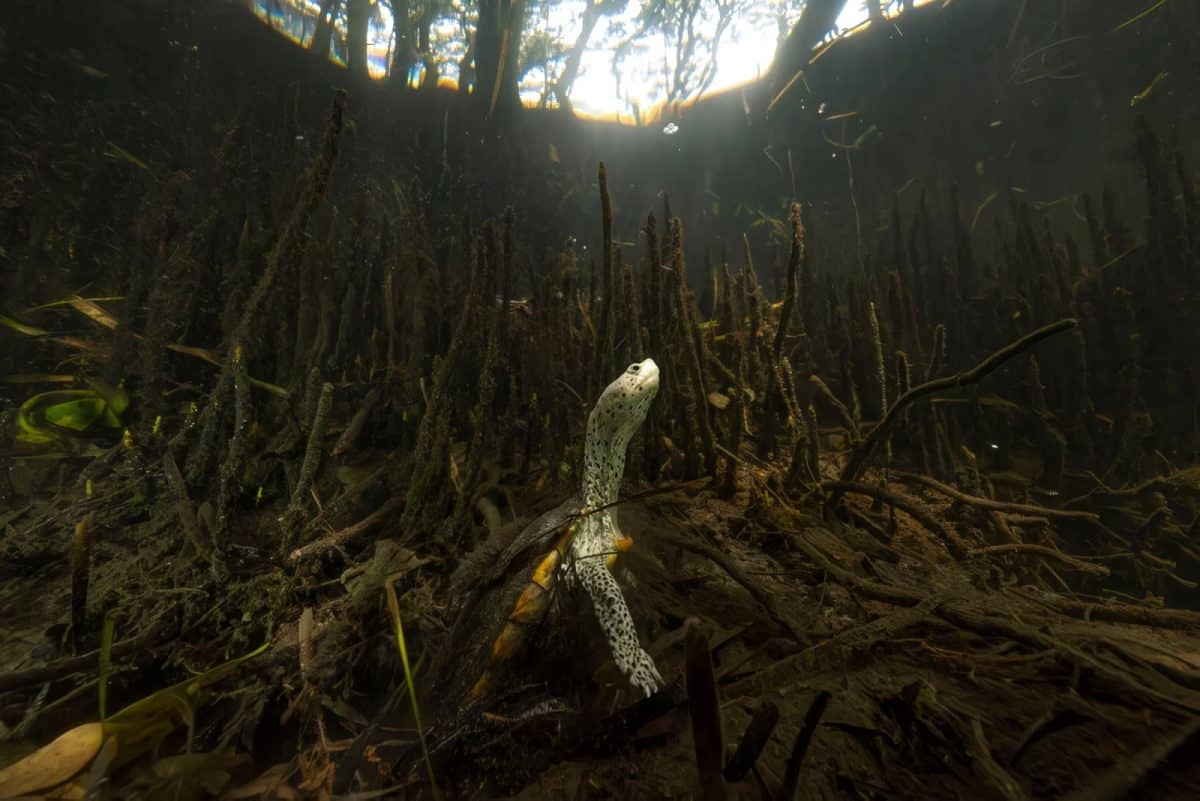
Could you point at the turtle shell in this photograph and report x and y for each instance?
(491, 581)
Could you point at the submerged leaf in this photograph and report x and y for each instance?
(349, 475)
(394, 608)
(94, 312)
(211, 772)
(143, 724)
(21, 328)
(1145, 13)
(71, 301)
(116, 398)
(76, 415)
(211, 358)
(115, 151)
(53, 764)
(37, 378)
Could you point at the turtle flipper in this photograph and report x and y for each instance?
(617, 624)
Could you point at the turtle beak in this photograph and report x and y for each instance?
(647, 375)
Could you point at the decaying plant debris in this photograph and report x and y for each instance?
(919, 521)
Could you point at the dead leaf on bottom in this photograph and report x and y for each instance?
(54, 763)
(271, 784)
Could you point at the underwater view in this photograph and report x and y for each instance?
(558, 400)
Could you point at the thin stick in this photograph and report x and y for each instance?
(738, 575)
(342, 536)
(964, 616)
(949, 538)
(346, 440)
(1123, 778)
(800, 747)
(84, 662)
(858, 460)
(1042, 550)
(999, 506)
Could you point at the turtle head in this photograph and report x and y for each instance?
(638, 378)
(623, 405)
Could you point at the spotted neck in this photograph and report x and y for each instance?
(604, 460)
(614, 419)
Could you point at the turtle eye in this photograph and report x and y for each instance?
(634, 368)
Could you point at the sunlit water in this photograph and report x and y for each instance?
(625, 86)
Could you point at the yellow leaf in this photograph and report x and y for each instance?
(718, 400)
(68, 301)
(52, 764)
(92, 310)
(21, 328)
(211, 358)
(117, 152)
(38, 378)
(144, 723)
(1134, 19)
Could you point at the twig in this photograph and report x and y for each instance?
(728, 375)
(349, 495)
(1130, 613)
(963, 616)
(342, 536)
(795, 261)
(858, 459)
(80, 561)
(987, 770)
(825, 392)
(1120, 780)
(999, 506)
(949, 538)
(346, 440)
(1042, 550)
(291, 240)
(231, 469)
(183, 504)
(803, 738)
(84, 662)
(603, 363)
(737, 574)
(840, 650)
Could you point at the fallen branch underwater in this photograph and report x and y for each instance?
(1043, 551)
(961, 613)
(340, 537)
(945, 534)
(52, 671)
(719, 558)
(996, 506)
(974, 375)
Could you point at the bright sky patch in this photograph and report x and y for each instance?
(620, 76)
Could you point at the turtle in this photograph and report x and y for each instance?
(584, 540)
